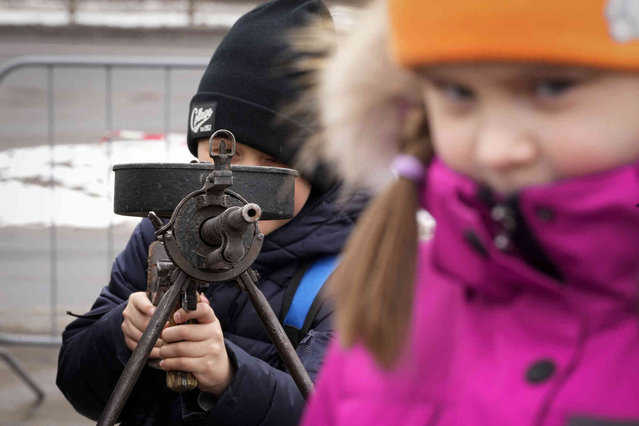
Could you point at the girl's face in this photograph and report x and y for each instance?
(514, 125)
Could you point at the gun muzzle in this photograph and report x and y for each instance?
(226, 231)
(232, 221)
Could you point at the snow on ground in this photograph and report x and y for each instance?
(82, 192)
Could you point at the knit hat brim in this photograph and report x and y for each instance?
(593, 33)
(254, 125)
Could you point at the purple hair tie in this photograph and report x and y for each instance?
(409, 167)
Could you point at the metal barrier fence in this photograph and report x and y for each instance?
(183, 13)
(51, 63)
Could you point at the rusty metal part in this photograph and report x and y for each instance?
(183, 381)
(185, 246)
(143, 187)
(158, 280)
(234, 220)
(159, 271)
(222, 178)
(159, 266)
(155, 220)
(211, 237)
(227, 231)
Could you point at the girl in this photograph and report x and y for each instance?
(523, 307)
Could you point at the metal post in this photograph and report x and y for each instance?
(23, 374)
(53, 237)
(108, 123)
(72, 10)
(167, 107)
(191, 12)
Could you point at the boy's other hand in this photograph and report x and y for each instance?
(198, 348)
(137, 315)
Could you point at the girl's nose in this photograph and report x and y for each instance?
(502, 144)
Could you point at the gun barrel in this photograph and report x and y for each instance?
(234, 221)
(247, 214)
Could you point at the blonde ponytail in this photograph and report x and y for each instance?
(374, 283)
(365, 116)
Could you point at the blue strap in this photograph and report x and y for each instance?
(307, 290)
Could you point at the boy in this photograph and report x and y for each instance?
(240, 375)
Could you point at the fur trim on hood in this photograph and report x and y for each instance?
(364, 100)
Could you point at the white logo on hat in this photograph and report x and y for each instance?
(199, 116)
(623, 19)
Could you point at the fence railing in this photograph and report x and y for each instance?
(80, 12)
(51, 63)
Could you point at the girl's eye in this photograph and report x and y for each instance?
(456, 92)
(553, 88)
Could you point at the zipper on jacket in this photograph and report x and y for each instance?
(513, 234)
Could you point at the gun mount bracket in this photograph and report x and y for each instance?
(187, 249)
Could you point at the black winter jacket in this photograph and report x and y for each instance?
(93, 353)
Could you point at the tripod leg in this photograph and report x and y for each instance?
(133, 368)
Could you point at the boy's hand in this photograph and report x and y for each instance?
(137, 315)
(198, 348)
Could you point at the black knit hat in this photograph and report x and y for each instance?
(250, 78)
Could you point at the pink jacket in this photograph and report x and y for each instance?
(495, 341)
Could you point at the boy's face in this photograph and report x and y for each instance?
(514, 125)
(247, 156)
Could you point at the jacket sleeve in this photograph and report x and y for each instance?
(261, 394)
(93, 352)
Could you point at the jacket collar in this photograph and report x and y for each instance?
(319, 229)
(587, 227)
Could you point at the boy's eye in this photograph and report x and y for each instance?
(552, 88)
(272, 162)
(217, 151)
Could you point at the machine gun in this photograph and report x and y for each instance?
(211, 237)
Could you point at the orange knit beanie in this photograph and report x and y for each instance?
(595, 33)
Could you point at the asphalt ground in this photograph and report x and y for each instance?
(18, 402)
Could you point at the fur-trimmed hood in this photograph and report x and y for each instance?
(363, 100)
